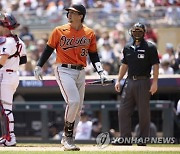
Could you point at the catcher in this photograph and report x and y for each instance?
(12, 54)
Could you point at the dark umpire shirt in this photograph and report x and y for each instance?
(140, 59)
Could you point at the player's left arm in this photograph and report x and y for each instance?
(94, 57)
(98, 66)
(93, 54)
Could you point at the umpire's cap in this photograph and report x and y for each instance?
(78, 8)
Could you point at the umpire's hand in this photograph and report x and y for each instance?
(38, 73)
(117, 86)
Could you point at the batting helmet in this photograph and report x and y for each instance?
(8, 20)
(78, 8)
(137, 31)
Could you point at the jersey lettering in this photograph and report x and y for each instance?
(20, 47)
(72, 46)
(17, 53)
(67, 43)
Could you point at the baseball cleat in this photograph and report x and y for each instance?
(4, 142)
(10, 143)
(68, 143)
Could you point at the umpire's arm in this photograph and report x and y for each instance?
(122, 71)
(154, 85)
(155, 63)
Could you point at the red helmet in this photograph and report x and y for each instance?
(8, 20)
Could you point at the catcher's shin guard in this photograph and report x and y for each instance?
(68, 129)
(7, 119)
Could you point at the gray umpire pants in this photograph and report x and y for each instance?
(135, 94)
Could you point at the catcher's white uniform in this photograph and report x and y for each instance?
(9, 81)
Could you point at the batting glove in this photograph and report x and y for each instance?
(38, 73)
(103, 77)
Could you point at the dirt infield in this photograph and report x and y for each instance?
(92, 148)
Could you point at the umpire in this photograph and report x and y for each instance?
(139, 57)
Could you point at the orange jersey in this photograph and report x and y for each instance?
(72, 46)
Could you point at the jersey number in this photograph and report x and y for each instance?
(84, 52)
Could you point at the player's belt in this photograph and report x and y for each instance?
(76, 67)
(134, 77)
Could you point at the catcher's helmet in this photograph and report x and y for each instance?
(137, 31)
(78, 8)
(8, 20)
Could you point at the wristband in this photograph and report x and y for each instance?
(99, 67)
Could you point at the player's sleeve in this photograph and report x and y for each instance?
(51, 45)
(93, 45)
(53, 39)
(45, 55)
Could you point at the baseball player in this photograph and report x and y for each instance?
(139, 56)
(12, 54)
(73, 42)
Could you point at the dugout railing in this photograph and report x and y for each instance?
(41, 112)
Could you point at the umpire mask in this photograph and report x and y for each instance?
(137, 32)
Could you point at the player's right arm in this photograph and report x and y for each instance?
(45, 55)
(51, 45)
(38, 73)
